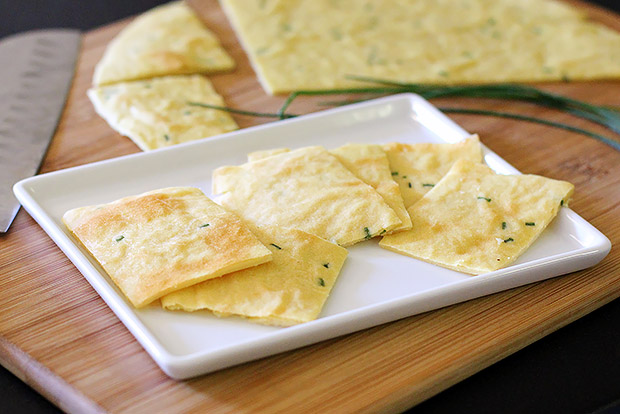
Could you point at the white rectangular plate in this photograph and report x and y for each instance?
(375, 286)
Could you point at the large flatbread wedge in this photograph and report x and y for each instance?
(164, 240)
(418, 167)
(166, 40)
(290, 289)
(307, 189)
(315, 44)
(162, 112)
(370, 164)
(475, 221)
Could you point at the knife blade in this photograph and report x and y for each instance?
(36, 74)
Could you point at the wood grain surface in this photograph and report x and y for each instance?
(58, 335)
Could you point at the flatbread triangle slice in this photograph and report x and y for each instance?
(418, 167)
(476, 221)
(307, 189)
(162, 112)
(370, 164)
(290, 289)
(164, 240)
(166, 40)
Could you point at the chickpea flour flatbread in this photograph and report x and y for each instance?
(418, 167)
(316, 44)
(476, 221)
(290, 289)
(369, 163)
(163, 111)
(307, 189)
(167, 40)
(164, 240)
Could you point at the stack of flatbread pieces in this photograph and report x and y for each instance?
(272, 250)
(177, 245)
(147, 85)
(318, 44)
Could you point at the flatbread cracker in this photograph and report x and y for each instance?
(475, 221)
(369, 163)
(308, 189)
(164, 240)
(290, 289)
(162, 112)
(166, 40)
(418, 167)
(316, 44)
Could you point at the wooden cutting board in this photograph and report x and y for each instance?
(59, 336)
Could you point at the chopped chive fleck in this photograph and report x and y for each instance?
(119, 238)
(409, 184)
(530, 223)
(404, 176)
(276, 246)
(321, 282)
(484, 198)
(167, 137)
(204, 225)
(382, 232)
(326, 265)
(503, 225)
(509, 239)
(561, 203)
(394, 172)
(428, 185)
(367, 232)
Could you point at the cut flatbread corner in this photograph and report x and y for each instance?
(164, 240)
(164, 111)
(166, 40)
(476, 221)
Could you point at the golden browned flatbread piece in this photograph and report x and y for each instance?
(475, 221)
(167, 40)
(290, 289)
(308, 189)
(164, 240)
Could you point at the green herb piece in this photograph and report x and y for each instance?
(382, 232)
(321, 282)
(326, 265)
(509, 239)
(404, 176)
(336, 33)
(394, 173)
(503, 225)
(561, 203)
(204, 225)
(276, 246)
(167, 137)
(530, 223)
(119, 238)
(367, 233)
(428, 185)
(484, 198)
(409, 184)
(443, 73)
(239, 111)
